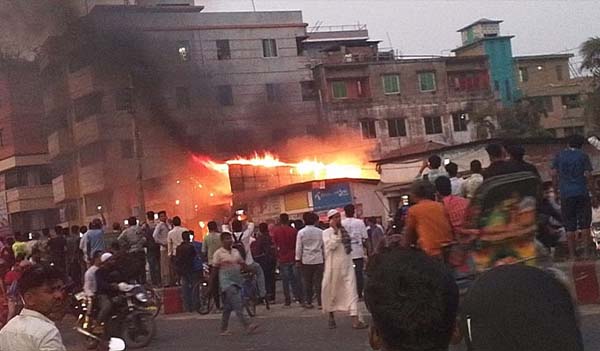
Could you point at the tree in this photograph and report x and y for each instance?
(590, 51)
(521, 120)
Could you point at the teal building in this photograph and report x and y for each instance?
(483, 38)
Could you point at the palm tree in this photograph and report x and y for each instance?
(590, 50)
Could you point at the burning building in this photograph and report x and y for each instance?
(133, 90)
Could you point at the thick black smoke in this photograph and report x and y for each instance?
(26, 24)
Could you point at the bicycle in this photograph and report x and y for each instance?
(250, 296)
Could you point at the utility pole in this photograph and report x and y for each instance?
(253, 6)
(137, 149)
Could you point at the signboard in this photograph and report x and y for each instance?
(296, 201)
(333, 196)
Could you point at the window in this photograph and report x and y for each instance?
(523, 74)
(123, 99)
(184, 50)
(45, 176)
(508, 90)
(16, 177)
(299, 45)
(273, 93)
(396, 127)
(182, 97)
(433, 125)
(367, 128)
(269, 48)
(391, 84)
(427, 81)
(339, 89)
(225, 95)
(86, 106)
(543, 103)
(459, 121)
(223, 50)
(571, 101)
(91, 154)
(127, 149)
(559, 72)
(309, 93)
(573, 130)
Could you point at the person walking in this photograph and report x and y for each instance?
(338, 289)
(134, 241)
(357, 230)
(161, 235)
(152, 249)
(284, 237)
(572, 175)
(230, 264)
(212, 242)
(265, 254)
(309, 258)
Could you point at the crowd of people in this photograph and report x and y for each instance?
(410, 291)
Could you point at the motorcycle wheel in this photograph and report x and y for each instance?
(91, 344)
(139, 330)
(154, 302)
(204, 300)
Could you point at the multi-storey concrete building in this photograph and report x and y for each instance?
(212, 83)
(483, 38)
(398, 101)
(545, 80)
(26, 202)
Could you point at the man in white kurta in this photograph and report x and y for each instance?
(338, 291)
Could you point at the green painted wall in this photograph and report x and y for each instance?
(502, 70)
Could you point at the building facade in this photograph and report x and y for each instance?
(545, 81)
(26, 202)
(483, 38)
(143, 86)
(397, 101)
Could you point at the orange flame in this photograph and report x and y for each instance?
(314, 168)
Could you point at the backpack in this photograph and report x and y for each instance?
(239, 245)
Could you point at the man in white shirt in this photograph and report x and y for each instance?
(174, 239)
(471, 184)
(43, 291)
(309, 258)
(161, 235)
(245, 236)
(357, 230)
(455, 181)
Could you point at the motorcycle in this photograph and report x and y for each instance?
(130, 318)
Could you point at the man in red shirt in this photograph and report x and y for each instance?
(284, 237)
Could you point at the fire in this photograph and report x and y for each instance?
(313, 168)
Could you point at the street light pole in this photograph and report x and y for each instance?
(137, 149)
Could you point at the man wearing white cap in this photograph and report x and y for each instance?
(338, 292)
(90, 285)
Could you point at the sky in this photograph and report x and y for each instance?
(428, 27)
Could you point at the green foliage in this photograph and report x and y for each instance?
(521, 120)
(590, 51)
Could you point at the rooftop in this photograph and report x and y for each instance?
(481, 21)
(146, 9)
(480, 40)
(543, 57)
(418, 150)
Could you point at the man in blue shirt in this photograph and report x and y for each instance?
(572, 172)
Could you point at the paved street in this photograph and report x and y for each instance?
(281, 329)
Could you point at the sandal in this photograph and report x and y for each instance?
(360, 325)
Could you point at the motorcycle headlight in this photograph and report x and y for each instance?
(141, 297)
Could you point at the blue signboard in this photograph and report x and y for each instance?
(333, 196)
